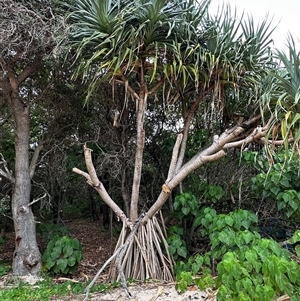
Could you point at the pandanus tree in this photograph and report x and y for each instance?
(172, 51)
(284, 98)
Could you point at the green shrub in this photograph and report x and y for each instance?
(187, 209)
(176, 243)
(258, 272)
(279, 182)
(248, 267)
(63, 255)
(49, 231)
(185, 205)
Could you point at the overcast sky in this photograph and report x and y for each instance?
(287, 12)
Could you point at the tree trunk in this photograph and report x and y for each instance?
(140, 143)
(27, 258)
(94, 212)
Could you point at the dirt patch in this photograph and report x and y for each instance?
(97, 246)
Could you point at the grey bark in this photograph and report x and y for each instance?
(27, 257)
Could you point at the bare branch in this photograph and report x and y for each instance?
(184, 171)
(84, 174)
(214, 152)
(174, 158)
(275, 142)
(124, 82)
(154, 89)
(6, 173)
(38, 199)
(187, 123)
(90, 166)
(34, 159)
(256, 135)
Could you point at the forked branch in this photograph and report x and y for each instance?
(228, 139)
(92, 180)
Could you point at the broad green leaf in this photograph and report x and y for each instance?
(68, 250)
(257, 266)
(297, 249)
(224, 238)
(275, 247)
(294, 204)
(185, 210)
(49, 263)
(253, 217)
(242, 296)
(71, 261)
(293, 274)
(281, 205)
(265, 291)
(229, 220)
(75, 244)
(197, 221)
(284, 284)
(275, 190)
(247, 236)
(251, 255)
(55, 253)
(263, 254)
(248, 266)
(182, 251)
(246, 223)
(247, 284)
(62, 263)
(239, 240)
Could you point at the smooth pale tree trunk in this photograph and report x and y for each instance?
(27, 257)
(140, 137)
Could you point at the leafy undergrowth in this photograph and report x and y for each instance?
(247, 266)
(235, 258)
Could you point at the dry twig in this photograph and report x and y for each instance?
(119, 253)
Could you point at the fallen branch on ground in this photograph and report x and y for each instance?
(119, 253)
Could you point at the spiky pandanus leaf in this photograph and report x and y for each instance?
(114, 35)
(287, 96)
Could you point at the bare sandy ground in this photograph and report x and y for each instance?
(148, 292)
(152, 292)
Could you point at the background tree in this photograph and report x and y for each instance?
(28, 37)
